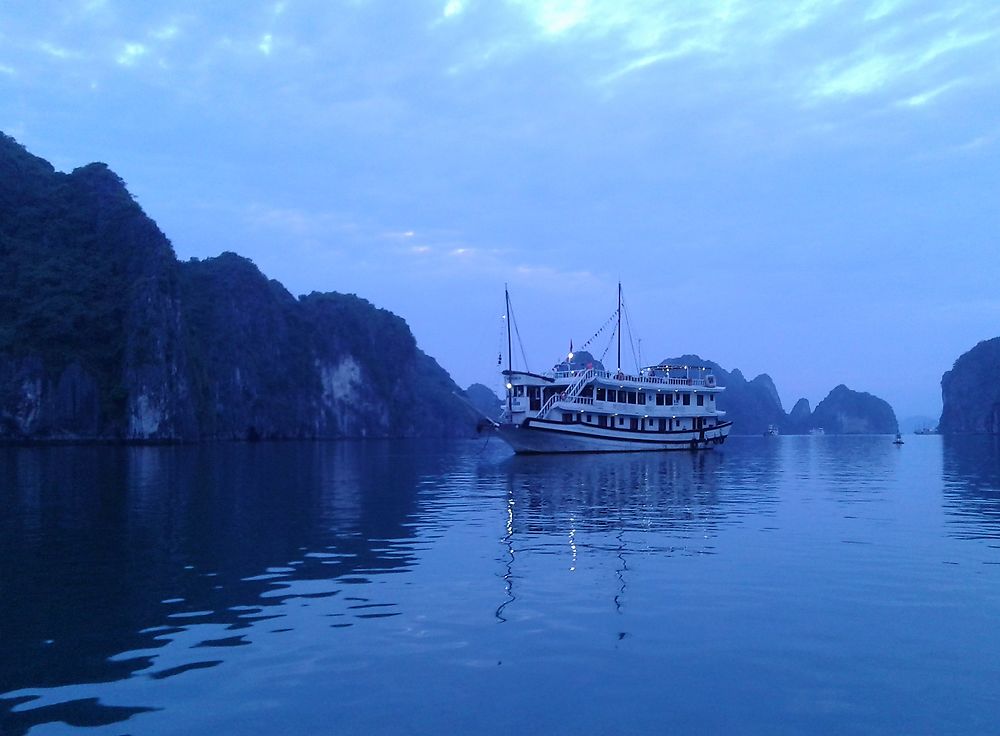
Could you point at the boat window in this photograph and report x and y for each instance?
(621, 421)
(701, 400)
(659, 399)
(600, 394)
(588, 392)
(633, 423)
(567, 418)
(590, 418)
(519, 390)
(631, 397)
(612, 395)
(663, 425)
(642, 397)
(668, 400)
(687, 399)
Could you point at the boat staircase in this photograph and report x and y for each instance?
(572, 394)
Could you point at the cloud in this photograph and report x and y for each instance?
(452, 8)
(130, 53)
(860, 78)
(57, 52)
(165, 33)
(300, 222)
(923, 98)
(266, 44)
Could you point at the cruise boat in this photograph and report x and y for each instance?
(579, 406)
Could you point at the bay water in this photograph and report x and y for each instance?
(777, 585)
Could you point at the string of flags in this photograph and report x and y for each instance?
(600, 330)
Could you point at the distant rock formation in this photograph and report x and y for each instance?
(485, 400)
(970, 392)
(798, 418)
(844, 411)
(751, 405)
(105, 335)
(754, 405)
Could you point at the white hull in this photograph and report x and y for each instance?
(551, 437)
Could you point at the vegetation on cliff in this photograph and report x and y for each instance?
(104, 334)
(844, 411)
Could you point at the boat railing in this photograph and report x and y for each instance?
(570, 394)
(592, 373)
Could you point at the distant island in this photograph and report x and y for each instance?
(754, 405)
(105, 335)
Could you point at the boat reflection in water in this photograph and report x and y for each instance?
(610, 508)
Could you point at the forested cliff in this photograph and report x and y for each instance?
(104, 334)
(970, 392)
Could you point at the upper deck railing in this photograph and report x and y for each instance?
(707, 381)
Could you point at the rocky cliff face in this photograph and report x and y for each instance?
(971, 392)
(798, 417)
(104, 335)
(844, 411)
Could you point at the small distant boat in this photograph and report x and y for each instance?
(772, 430)
(817, 431)
(898, 440)
(926, 430)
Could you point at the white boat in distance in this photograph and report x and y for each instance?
(578, 406)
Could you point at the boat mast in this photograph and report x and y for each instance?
(510, 391)
(619, 326)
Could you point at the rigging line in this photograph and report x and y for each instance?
(611, 340)
(500, 330)
(524, 355)
(631, 341)
(512, 323)
(599, 331)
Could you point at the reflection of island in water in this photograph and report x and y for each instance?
(659, 503)
(971, 468)
(110, 550)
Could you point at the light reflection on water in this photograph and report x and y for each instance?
(792, 584)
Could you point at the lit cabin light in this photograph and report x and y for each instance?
(569, 357)
(510, 385)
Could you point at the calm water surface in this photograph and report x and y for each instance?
(799, 585)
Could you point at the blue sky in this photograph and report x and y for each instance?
(802, 188)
